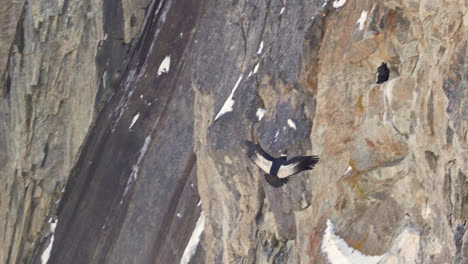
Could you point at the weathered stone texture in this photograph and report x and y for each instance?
(393, 163)
(53, 85)
(396, 137)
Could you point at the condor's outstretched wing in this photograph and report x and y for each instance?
(296, 165)
(259, 156)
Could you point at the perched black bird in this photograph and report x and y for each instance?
(278, 169)
(383, 73)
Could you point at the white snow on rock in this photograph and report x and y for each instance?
(46, 254)
(260, 113)
(124, 101)
(165, 64)
(339, 3)
(338, 251)
(136, 167)
(227, 107)
(362, 20)
(282, 10)
(276, 135)
(291, 124)
(194, 240)
(135, 118)
(254, 70)
(260, 48)
(348, 170)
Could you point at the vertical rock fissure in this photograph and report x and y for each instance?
(161, 238)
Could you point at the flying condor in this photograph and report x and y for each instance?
(278, 169)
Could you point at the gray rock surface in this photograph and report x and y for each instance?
(86, 103)
(59, 60)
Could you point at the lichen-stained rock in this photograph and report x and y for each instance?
(457, 95)
(10, 16)
(294, 76)
(399, 94)
(58, 62)
(376, 145)
(352, 125)
(406, 248)
(133, 17)
(362, 49)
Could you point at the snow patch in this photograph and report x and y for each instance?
(276, 135)
(260, 48)
(165, 64)
(136, 167)
(135, 118)
(338, 3)
(227, 107)
(338, 251)
(362, 20)
(124, 101)
(260, 113)
(199, 203)
(179, 215)
(53, 226)
(291, 124)
(254, 70)
(194, 240)
(46, 254)
(282, 10)
(348, 170)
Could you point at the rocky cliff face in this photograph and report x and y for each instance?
(393, 156)
(167, 115)
(58, 60)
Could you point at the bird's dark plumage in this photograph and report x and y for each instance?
(383, 73)
(278, 169)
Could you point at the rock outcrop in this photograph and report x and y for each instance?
(141, 109)
(59, 60)
(393, 156)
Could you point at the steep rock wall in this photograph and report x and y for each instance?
(60, 59)
(390, 185)
(393, 156)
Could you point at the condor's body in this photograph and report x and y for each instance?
(279, 169)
